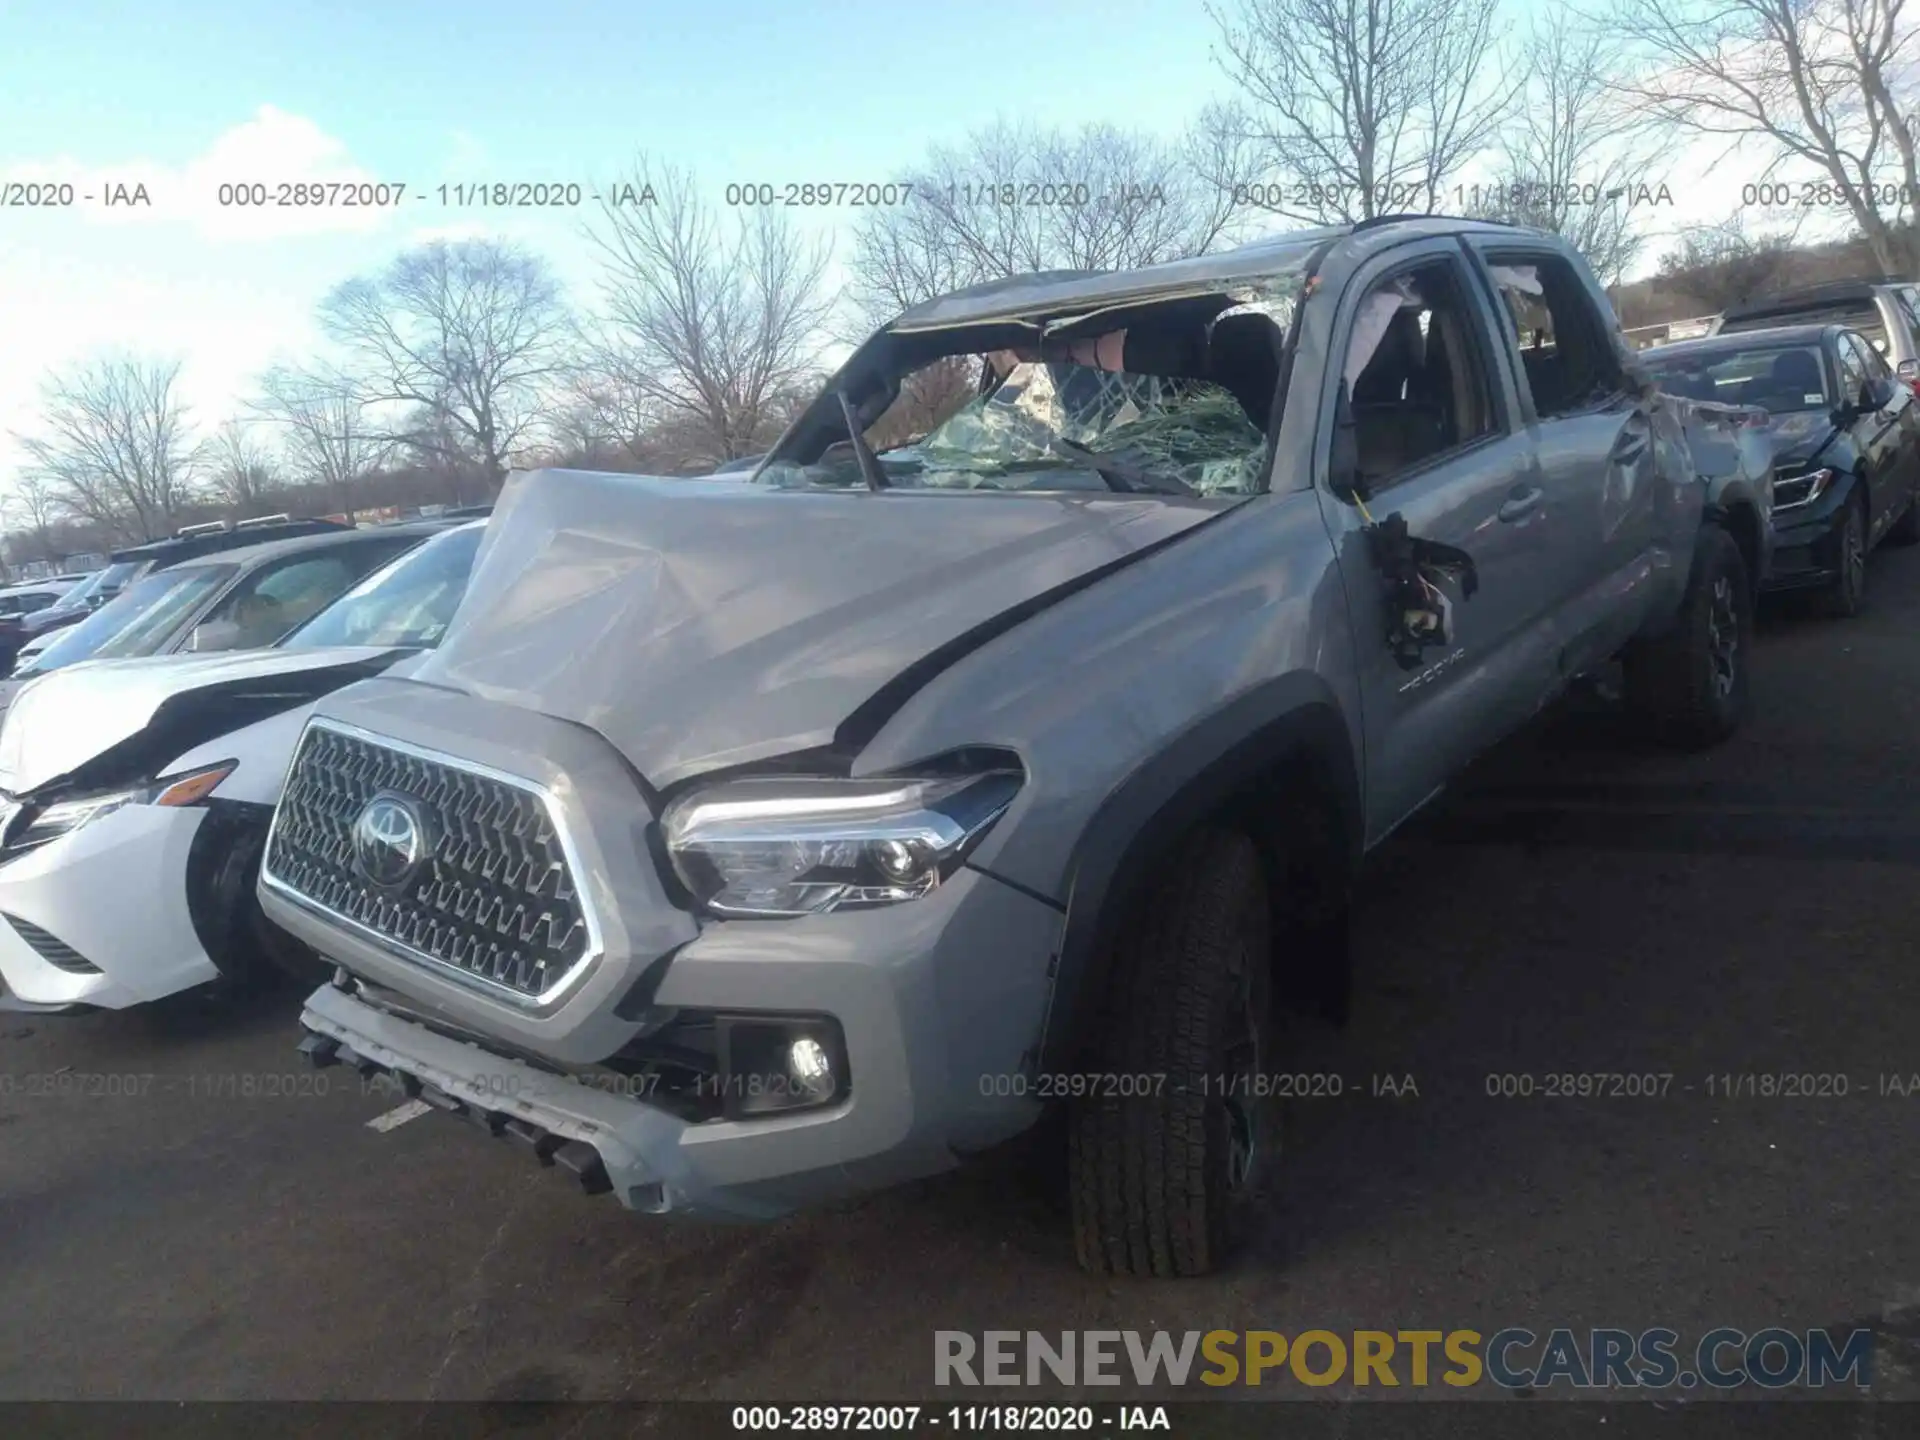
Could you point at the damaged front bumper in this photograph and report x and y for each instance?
(929, 1007)
(893, 984)
(916, 1099)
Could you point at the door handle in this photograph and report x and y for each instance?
(1520, 504)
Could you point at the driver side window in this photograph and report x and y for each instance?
(1417, 379)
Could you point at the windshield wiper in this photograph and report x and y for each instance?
(868, 462)
(1123, 478)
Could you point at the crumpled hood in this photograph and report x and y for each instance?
(702, 623)
(59, 721)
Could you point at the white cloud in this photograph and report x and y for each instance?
(262, 159)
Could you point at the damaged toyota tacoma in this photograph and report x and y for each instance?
(1006, 743)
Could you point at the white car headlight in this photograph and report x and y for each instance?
(65, 816)
(803, 846)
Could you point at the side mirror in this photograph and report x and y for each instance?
(1343, 466)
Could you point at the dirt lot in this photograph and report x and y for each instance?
(1578, 905)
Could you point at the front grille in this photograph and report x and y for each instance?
(50, 948)
(494, 899)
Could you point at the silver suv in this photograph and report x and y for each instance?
(1886, 312)
(1009, 738)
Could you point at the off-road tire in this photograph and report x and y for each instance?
(1906, 530)
(1678, 683)
(1151, 1175)
(1846, 597)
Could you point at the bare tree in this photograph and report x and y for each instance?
(325, 431)
(1572, 160)
(1826, 85)
(1721, 265)
(116, 445)
(1009, 200)
(239, 469)
(708, 328)
(472, 330)
(33, 509)
(1349, 109)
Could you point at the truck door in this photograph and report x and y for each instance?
(1604, 513)
(1440, 445)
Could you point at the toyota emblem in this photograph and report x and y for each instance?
(390, 840)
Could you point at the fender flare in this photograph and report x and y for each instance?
(1735, 508)
(1293, 719)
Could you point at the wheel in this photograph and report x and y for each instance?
(248, 950)
(1162, 1183)
(1906, 530)
(1847, 595)
(1690, 683)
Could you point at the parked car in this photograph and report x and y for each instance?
(1886, 312)
(753, 842)
(153, 781)
(19, 601)
(126, 566)
(1846, 439)
(238, 599)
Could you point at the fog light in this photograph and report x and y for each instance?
(811, 1066)
(770, 1063)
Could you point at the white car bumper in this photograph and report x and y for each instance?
(105, 913)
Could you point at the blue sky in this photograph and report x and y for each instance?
(183, 95)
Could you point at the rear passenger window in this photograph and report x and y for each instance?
(1565, 344)
(1416, 373)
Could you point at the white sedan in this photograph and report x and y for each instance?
(135, 795)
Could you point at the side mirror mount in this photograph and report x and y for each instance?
(1343, 466)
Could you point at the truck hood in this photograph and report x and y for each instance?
(697, 624)
(83, 718)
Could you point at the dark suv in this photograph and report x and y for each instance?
(1846, 438)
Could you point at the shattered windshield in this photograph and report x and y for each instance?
(1168, 408)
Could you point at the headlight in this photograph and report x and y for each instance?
(804, 846)
(1792, 491)
(65, 816)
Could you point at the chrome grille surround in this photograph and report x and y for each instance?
(496, 906)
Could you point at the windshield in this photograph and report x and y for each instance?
(1177, 404)
(1778, 378)
(77, 597)
(138, 622)
(409, 602)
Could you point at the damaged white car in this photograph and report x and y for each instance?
(135, 795)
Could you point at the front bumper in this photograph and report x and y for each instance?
(1806, 543)
(927, 1047)
(939, 1001)
(105, 913)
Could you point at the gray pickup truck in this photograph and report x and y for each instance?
(756, 840)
